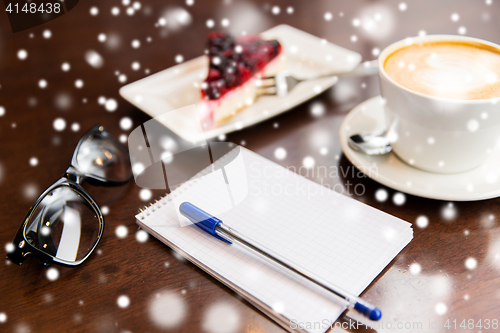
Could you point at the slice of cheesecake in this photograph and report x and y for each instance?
(235, 66)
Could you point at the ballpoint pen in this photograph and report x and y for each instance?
(215, 227)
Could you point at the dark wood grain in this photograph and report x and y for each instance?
(84, 299)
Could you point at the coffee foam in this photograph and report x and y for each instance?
(457, 70)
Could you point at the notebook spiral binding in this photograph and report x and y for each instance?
(148, 209)
(163, 200)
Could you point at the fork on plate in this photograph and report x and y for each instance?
(283, 82)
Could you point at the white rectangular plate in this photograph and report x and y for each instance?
(306, 56)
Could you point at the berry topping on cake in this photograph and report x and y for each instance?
(233, 61)
(236, 63)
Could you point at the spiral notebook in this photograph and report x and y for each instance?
(321, 231)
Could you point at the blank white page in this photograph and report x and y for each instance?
(324, 233)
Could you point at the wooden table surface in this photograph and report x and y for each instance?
(86, 298)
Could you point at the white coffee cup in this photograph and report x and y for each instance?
(438, 134)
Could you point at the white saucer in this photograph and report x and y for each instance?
(480, 183)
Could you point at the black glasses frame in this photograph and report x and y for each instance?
(72, 178)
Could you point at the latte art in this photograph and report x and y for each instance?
(447, 69)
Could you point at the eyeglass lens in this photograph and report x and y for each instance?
(100, 156)
(64, 225)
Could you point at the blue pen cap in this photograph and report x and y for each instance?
(202, 219)
(373, 313)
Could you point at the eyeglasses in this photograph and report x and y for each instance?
(65, 225)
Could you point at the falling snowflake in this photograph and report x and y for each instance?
(59, 124)
(126, 123)
(449, 212)
(105, 210)
(377, 21)
(33, 161)
(42, 84)
(9, 247)
(415, 268)
(221, 318)
(328, 16)
(110, 105)
(275, 10)
(121, 231)
(52, 274)
(94, 11)
(280, 153)
(399, 198)
(22, 54)
(113, 41)
(167, 302)
(317, 109)
(137, 168)
(123, 301)
(115, 11)
(441, 308)
(141, 236)
(381, 195)
(178, 256)
(473, 125)
(94, 59)
(308, 162)
(136, 66)
(402, 6)
(135, 43)
(145, 194)
(179, 58)
(470, 263)
(422, 221)
(79, 84)
(65, 66)
(177, 18)
(47, 34)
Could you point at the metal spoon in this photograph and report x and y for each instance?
(370, 144)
